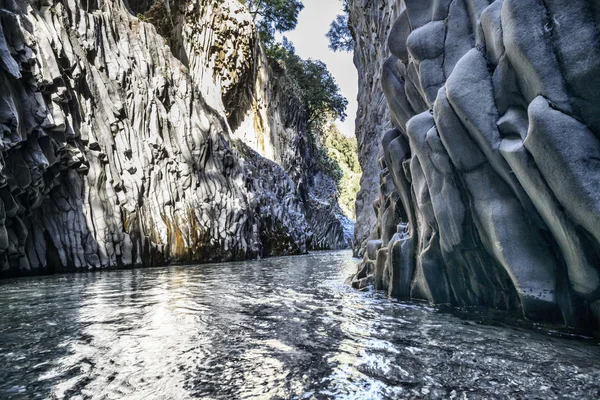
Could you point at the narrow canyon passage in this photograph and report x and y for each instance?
(276, 328)
(431, 168)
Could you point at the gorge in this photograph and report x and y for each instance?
(184, 135)
(124, 146)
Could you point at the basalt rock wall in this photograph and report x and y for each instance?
(490, 182)
(123, 139)
(371, 21)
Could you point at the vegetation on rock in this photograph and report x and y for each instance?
(340, 34)
(318, 94)
(272, 16)
(313, 84)
(343, 152)
(312, 81)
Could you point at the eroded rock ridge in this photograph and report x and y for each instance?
(490, 183)
(142, 141)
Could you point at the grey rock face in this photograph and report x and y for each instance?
(489, 188)
(123, 147)
(371, 21)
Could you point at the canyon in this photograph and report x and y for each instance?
(174, 134)
(153, 132)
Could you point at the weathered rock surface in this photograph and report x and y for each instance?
(371, 22)
(122, 146)
(489, 185)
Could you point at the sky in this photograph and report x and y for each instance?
(310, 42)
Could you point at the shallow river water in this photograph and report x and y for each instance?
(275, 328)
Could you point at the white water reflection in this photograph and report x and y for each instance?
(277, 328)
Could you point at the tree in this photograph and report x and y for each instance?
(320, 91)
(278, 53)
(312, 81)
(340, 34)
(273, 16)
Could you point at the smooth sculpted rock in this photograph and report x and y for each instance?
(493, 158)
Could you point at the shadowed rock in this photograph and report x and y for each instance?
(130, 142)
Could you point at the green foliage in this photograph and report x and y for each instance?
(318, 95)
(325, 163)
(346, 148)
(337, 157)
(324, 101)
(343, 152)
(273, 16)
(313, 82)
(340, 34)
(277, 53)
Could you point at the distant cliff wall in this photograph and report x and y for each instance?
(490, 187)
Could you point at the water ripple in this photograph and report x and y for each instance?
(284, 328)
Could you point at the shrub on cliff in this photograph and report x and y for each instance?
(272, 16)
(313, 81)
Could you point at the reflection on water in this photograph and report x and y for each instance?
(276, 328)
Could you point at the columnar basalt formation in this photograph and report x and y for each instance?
(126, 146)
(490, 181)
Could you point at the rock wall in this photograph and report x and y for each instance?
(218, 38)
(272, 124)
(371, 21)
(490, 190)
(122, 146)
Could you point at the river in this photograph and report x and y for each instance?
(277, 328)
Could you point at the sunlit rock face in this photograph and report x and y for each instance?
(122, 146)
(490, 181)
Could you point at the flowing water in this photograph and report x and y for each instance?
(276, 328)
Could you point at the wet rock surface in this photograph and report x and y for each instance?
(489, 191)
(124, 143)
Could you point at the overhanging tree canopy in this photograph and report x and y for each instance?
(317, 87)
(340, 35)
(273, 16)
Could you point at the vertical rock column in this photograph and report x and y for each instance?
(371, 21)
(489, 189)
